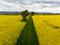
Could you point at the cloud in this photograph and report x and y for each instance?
(31, 5)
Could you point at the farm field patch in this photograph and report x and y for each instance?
(47, 29)
(10, 29)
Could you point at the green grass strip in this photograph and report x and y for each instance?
(28, 35)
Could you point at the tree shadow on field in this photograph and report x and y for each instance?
(28, 35)
(24, 20)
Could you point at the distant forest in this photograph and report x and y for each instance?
(19, 13)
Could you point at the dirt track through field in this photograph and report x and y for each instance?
(28, 35)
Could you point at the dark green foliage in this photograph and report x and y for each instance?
(32, 13)
(24, 14)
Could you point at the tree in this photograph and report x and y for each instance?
(32, 13)
(24, 14)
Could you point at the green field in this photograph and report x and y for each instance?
(36, 30)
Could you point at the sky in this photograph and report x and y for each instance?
(30, 5)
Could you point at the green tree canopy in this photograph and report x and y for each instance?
(24, 14)
(32, 13)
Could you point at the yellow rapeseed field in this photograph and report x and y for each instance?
(46, 30)
(10, 29)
